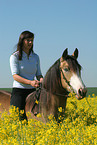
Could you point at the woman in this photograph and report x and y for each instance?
(25, 66)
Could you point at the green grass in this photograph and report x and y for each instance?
(6, 89)
(91, 90)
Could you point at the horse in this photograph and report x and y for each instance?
(63, 77)
(4, 100)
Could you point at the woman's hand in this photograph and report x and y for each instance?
(35, 83)
(41, 80)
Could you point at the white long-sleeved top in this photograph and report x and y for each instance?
(27, 68)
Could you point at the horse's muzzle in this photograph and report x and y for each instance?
(81, 93)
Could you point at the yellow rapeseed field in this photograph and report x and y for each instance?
(79, 126)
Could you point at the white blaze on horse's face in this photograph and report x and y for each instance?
(77, 84)
(70, 74)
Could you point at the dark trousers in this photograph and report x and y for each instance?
(18, 99)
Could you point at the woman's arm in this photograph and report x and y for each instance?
(34, 83)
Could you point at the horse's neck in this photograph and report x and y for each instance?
(61, 91)
(52, 103)
(58, 90)
(52, 99)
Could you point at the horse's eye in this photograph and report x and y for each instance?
(66, 69)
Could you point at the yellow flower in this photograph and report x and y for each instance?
(39, 115)
(36, 101)
(60, 109)
(93, 95)
(60, 117)
(21, 111)
(50, 117)
(78, 127)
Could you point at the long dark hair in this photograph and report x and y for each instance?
(24, 35)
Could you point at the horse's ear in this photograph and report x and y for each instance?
(75, 53)
(65, 53)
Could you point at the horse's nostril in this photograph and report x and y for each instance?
(80, 91)
(83, 92)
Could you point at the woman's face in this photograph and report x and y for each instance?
(27, 43)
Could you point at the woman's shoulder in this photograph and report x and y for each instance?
(15, 54)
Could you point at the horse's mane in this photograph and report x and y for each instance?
(52, 79)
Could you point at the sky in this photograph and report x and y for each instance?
(57, 24)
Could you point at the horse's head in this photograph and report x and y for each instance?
(71, 74)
